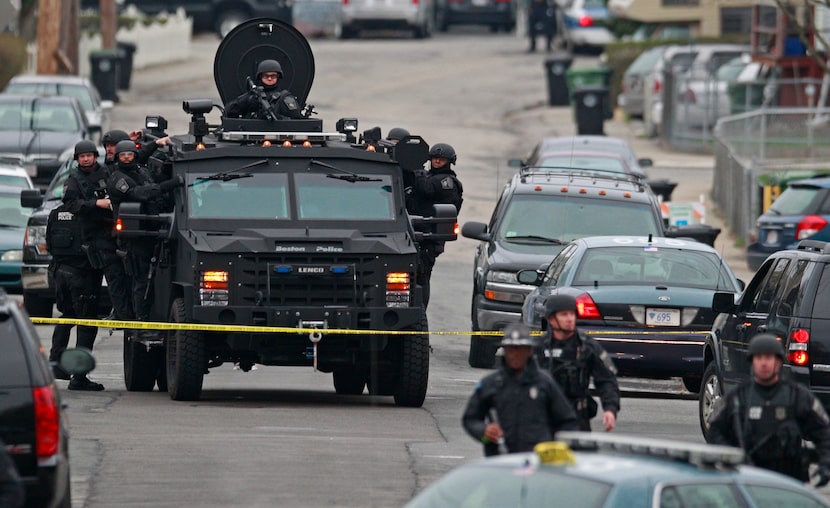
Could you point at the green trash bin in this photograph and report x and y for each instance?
(581, 78)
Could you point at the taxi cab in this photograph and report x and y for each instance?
(587, 470)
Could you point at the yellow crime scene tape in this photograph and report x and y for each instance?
(157, 325)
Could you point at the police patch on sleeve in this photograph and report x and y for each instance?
(447, 183)
(122, 185)
(609, 363)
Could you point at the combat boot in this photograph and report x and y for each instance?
(82, 383)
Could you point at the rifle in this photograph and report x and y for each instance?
(154, 262)
(264, 103)
(499, 447)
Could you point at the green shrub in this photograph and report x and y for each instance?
(12, 57)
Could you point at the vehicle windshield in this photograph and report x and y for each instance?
(11, 213)
(316, 196)
(793, 201)
(497, 487)
(14, 181)
(645, 62)
(730, 70)
(584, 162)
(37, 116)
(79, 92)
(567, 219)
(645, 266)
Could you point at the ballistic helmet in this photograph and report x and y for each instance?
(85, 146)
(517, 334)
(443, 150)
(125, 146)
(765, 343)
(113, 137)
(269, 66)
(555, 303)
(397, 133)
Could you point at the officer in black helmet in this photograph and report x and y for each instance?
(109, 140)
(574, 359)
(132, 182)
(518, 405)
(436, 184)
(77, 283)
(769, 415)
(396, 134)
(250, 104)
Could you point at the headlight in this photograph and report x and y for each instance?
(12, 255)
(213, 288)
(36, 237)
(504, 287)
(502, 277)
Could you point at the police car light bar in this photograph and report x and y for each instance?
(692, 453)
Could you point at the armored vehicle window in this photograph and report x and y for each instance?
(249, 196)
(322, 198)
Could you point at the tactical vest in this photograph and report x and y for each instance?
(770, 426)
(573, 375)
(87, 189)
(64, 233)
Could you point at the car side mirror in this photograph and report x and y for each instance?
(529, 277)
(31, 198)
(476, 231)
(724, 303)
(515, 163)
(645, 163)
(107, 104)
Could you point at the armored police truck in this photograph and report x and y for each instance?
(281, 224)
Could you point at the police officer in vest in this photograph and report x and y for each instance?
(131, 182)
(85, 195)
(518, 405)
(769, 415)
(281, 103)
(573, 359)
(436, 185)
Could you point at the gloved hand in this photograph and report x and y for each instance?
(168, 185)
(823, 476)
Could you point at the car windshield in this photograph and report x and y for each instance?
(584, 162)
(79, 92)
(491, 487)
(11, 213)
(730, 70)
(541, 216)
(645, 62)
(645, 266)
(14, 181)
(327, 197)
(594, 4)
(37, 116)
(55, 190)
(793, 201)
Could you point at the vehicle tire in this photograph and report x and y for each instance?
(710, 393)
(186, 358)
(413, 367)
(139, 367)
(482, 353)
(66, 499)
(441, 23)
(692, 384)
(161, 368)
(228, 19)
(349, 381)
(37, 306)
(380, 381)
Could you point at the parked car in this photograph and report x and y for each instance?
(39, 133)
(540, 211)
(12, 229)
(703, 94)
(788, 297)
(410, 15)
(32, 420)
(801, 212)
(12, 175)
(96, 109)
(654, 292)
(658, 31)
(584, 24)
(589, 470)
(601, 162)
(631, 95)
(497, 14)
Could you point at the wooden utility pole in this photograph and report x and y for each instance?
(67, 53)
(109, 23)
(48, 35)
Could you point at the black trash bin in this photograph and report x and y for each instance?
(556, 68)
(104, 72)
(591, 108)
(125, 64)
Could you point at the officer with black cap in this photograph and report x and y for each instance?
(519, 404)
(109, 140)
(573, 359)
(133, 183)
(436, 184)
(250, 104)
(769, 415)
(77, 284)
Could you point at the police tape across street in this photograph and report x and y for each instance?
(157, 325)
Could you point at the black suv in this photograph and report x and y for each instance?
(32, 422)
(789, 297)
(541, 210)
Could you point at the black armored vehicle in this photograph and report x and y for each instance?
(280, 223)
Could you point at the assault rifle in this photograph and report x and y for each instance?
(264, 104)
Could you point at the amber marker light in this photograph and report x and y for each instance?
(286, 143)
(266, 143)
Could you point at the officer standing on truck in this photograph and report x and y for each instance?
(131, 182)
(266, 100)
(770, 414)
(436, 184)
(574, 359)
(519, 405)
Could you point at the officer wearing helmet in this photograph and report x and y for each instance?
(132, 182)
(145, 148)
(436, 184)
(109, 140)
(574, 359)
(769, 416)
(519, 404)
(250, 104)
(396, 134)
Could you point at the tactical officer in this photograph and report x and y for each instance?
(769, 415)
(85, 195)
(109, 140)
(267, 100)
(519, 404)
(437, 185)
(573, 359)
(132, 183)
(396, 134)
(541, 21)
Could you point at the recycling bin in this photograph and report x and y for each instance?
(556, 68)
(104, 72)
(591, 108)
(580, 78)
(126, 50)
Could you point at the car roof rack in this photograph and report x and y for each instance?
(814, 246)
(573, 173)
(691, 453)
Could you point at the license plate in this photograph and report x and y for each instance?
(772, 236)
(663, 317)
